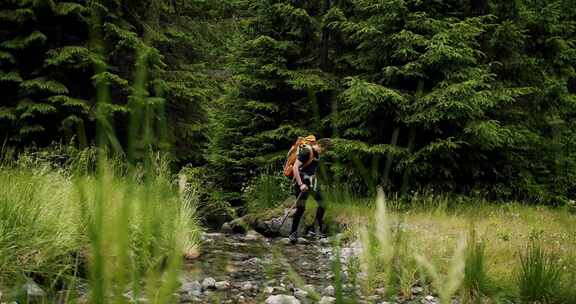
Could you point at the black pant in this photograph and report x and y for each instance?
(301, 204)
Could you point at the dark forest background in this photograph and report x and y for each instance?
(449, 96)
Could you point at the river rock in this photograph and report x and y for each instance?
(208, 283)
(226, 228)
(237, 225)
(300, 294)
(373, 298)
(329, 291)
(256, 261)
(327, 300)
(33, 290)
(192, 253)
(282, 299)
(302, 240)
(222, 285)
(252, 236)
(193, 288)
(248, 286)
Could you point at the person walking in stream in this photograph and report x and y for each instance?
(302, 164)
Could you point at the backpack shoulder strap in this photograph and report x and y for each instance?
(310, 157)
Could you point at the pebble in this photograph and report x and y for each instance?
(223, 285)
(208, 283)
(252, 236)
(193, 288)
(327, 300)
(247, 286)
(417, 290)
(33, 290)
(282, 299)
(330, 291)
(285, 241)
(303, 241)
(269, 290)
(373, 298)
(301, 294)
(254, 261)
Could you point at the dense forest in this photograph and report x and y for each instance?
(472, 97)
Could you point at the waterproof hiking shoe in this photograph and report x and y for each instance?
(293, 238)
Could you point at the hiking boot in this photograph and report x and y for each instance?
(316, 232)
(293, 238)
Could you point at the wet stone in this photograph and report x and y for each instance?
(209, 283)
(329, 291)
(223, 285)
(282, 299)
(301, 294)
(327, 300)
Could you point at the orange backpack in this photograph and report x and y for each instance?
(295, 150)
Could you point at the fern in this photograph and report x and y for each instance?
(108, 78)
(110, 108)
(30, 129)
(308, 80)
(76, 56)
(12, 76)
(68, 8)
(18, 16)
(126, 38)
(7, 57)
(42, 84)
(21, 43)
(7, 114)
(29, 109)
(34, 3)
(71, 120)
(75, 103)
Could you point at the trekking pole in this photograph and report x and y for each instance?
(291, 208)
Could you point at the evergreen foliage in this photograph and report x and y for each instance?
(452, 95)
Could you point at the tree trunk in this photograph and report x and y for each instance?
(323, 57)
(479, 7)
(408, 169)
(389, 159)
(411, 143)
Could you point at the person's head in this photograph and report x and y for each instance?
(323, 145)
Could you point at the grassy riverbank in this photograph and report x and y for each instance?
(104, 232)
(508, 252)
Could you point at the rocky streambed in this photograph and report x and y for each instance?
(253, 269)
(249, 268)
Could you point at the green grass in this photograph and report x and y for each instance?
(539, 275)
(112, 232)
(435, 226)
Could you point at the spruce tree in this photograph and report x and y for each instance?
(277, 92)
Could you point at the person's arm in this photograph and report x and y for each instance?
(296, 170)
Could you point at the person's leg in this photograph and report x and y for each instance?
(319, 218)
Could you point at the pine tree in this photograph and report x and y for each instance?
(278, 90)
(534, 46)
(424, 93)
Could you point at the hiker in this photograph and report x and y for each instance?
(305, 181)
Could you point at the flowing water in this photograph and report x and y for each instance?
(256, 268)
